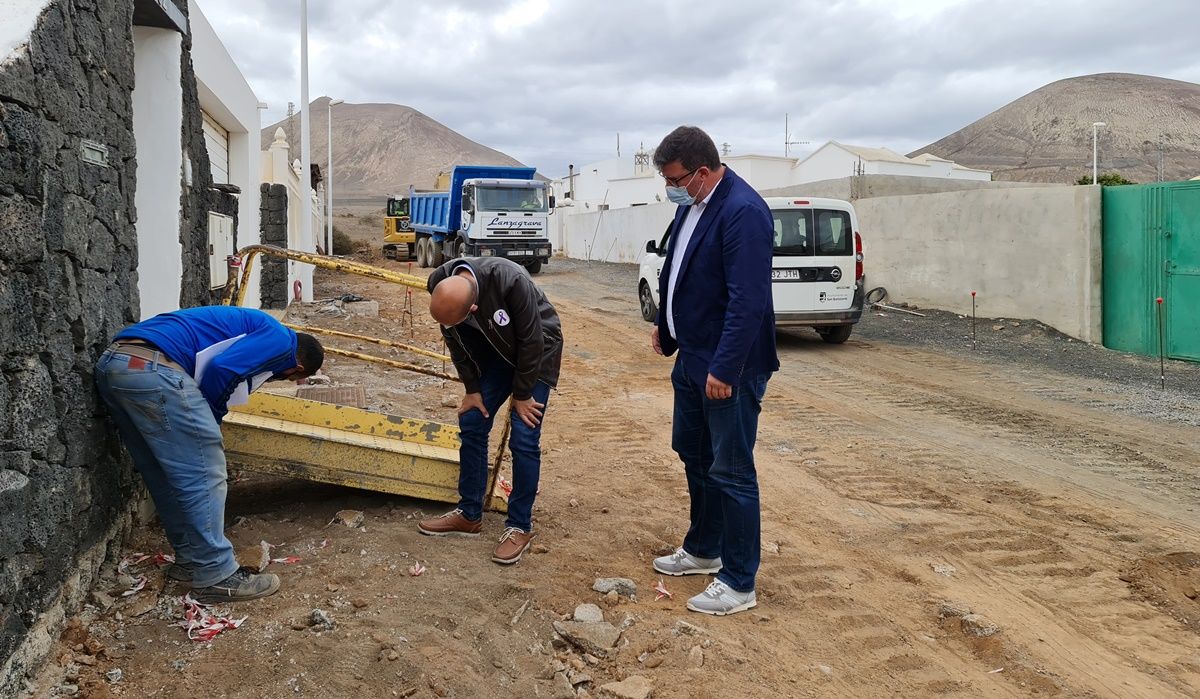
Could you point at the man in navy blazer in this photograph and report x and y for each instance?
(717, 316)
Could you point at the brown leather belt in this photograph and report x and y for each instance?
(140, 351)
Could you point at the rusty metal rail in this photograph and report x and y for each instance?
(236, 296)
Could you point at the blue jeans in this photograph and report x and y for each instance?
(715, 441)
(524, 442)
(175, 443)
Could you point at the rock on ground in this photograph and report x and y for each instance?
(979, 625)
(623, 586)
(635, 687)
(588, 613)
(595, 638)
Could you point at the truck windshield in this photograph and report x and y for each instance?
(397, 207)
(510, 199)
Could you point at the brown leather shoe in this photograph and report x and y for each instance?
(513, 543)
(453, 523)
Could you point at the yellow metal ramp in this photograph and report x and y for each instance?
(347, 446)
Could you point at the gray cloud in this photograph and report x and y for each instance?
(552, 83)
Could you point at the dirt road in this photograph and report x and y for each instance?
(902, 489)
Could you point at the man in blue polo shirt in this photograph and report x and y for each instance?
(168, 381)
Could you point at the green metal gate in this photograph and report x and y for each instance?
(1151, 250)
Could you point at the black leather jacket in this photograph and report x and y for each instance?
(513, 320)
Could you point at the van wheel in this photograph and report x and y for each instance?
(646, 300)
(534, 267)
(837, 334)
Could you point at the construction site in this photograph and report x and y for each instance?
(986, 484)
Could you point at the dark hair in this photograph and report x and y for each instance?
(309, 353)
(690, 146)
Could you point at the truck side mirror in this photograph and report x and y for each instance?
(466, 201)
(651, 247)
(551, 201)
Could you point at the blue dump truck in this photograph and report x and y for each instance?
(489, 211)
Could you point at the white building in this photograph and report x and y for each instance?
(632, 181)
(836, 160)
(230, 121)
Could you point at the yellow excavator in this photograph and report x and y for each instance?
(398, 236)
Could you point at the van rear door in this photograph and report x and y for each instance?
(833, 258)
(791, 266)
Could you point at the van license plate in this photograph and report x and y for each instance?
(785, 274)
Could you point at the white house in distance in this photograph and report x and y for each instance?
(835, 160)
(632, 181)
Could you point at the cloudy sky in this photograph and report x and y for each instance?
(553, 83)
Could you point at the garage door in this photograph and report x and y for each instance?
(216, 138)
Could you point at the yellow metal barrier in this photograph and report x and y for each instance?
(236, 296)
(347, 446)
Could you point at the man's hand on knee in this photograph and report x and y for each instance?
(529, 410)
(472, 401)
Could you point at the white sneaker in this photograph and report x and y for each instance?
(719, 599)
(683, 563)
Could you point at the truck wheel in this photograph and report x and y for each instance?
(423, 252)
(534, 267)
(462, 249)
(837, 334)
(436, 256)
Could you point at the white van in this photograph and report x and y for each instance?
(816, 272)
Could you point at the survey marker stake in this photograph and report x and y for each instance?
(973, 343)
(1162, 370)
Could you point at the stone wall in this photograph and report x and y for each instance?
(197, 189)
(68, 261)
(273, 227)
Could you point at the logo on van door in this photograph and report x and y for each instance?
(825, 296)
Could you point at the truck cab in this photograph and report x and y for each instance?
(506, 218)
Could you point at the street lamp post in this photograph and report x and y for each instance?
(329, 175)
(1095, 150)
(306, 231)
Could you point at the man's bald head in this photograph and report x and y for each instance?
(453, 299)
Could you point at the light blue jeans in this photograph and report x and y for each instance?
(175, 443)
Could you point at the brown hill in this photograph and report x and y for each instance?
(1046, 136)
(380, 149)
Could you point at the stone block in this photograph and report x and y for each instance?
(31, 407)
(21, 238)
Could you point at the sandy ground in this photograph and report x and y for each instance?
(903, 487)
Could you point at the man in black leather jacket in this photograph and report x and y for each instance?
(505, 339)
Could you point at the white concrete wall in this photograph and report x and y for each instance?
(158, 129)
(18, 18)
(616, 235)
(828, 163)
(226, 96)
(1030, 252)
(762, 171)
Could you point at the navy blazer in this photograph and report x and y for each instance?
(722, 303)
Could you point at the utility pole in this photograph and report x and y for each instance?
(306, 231)
(618, 144)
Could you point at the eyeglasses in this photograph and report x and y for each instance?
(674, 181)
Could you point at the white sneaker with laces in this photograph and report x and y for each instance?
(683, 563)
(719, 599)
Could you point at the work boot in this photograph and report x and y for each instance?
(720, 599)
(179, 572)
(239, 587)
(513, 543)
(683, 563)
(453, 523)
